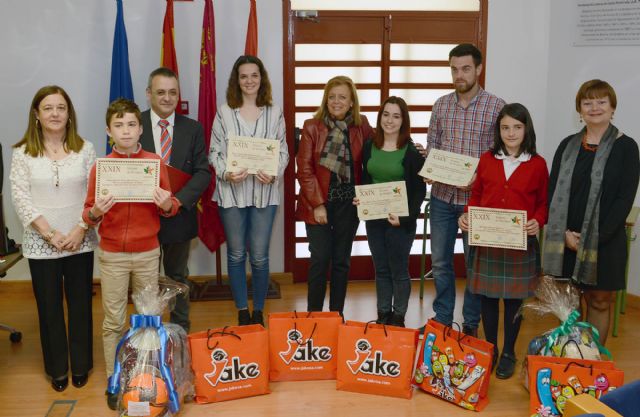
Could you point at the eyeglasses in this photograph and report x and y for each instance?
(56, 175)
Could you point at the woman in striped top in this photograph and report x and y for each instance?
(247, 202)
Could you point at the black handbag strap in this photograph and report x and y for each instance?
(384, 327)
(222, 332)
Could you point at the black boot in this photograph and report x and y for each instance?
(471, 331)
(257, 318)
(244, 318)
(60, 384)
(383, 317)
(506, 366)
(79, 381)
(396, 320)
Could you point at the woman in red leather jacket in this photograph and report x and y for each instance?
(329, 164)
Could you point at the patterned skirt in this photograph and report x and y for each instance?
(504, 273)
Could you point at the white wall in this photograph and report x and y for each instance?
(530, 59)
(69, 42)
(569, 67)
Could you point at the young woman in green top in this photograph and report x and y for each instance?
(392, 156)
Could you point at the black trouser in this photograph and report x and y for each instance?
(175, 259)
(49, 277)
(330, 244)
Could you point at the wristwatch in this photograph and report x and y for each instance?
(83, 225)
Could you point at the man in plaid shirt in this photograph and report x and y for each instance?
(462, 122)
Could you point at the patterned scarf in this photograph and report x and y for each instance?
(585, 270)
(335, 156)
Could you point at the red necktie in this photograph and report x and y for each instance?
(165, 141)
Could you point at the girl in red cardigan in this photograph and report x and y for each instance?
(511, 175)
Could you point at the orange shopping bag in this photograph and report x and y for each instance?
(553, 380)
(230, 363)
(454, 366)
(376, 359)
(303, 346)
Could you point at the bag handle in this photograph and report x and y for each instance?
(299, 341)
(447, 330)
(295, 314)
(566, 368)
(222, 332)
(564, 347)
(384, 327)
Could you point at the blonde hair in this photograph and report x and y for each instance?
(323, 111)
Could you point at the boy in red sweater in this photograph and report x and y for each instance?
(129, 247)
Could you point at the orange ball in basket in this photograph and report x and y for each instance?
(147, 388)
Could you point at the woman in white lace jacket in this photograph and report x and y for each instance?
(49, 172)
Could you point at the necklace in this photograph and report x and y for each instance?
(591, 147)
(52, 149)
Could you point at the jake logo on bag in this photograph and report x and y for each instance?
(301, 350)
(372, 366)
(223, 372)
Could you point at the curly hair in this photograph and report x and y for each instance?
(234, 94)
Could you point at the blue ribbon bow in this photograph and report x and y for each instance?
(141, 321)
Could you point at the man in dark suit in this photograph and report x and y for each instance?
(180, 142)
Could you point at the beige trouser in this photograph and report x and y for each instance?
(116, 268)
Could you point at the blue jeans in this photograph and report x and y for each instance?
(248, 227)
(390, 247)
(443, 218)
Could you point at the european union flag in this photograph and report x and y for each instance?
(121, 86)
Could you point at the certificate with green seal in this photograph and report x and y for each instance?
(253, 154)
(127, 180)
(498, 228)
(449, 168)
(377, 201)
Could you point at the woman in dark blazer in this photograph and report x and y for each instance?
(592, 187)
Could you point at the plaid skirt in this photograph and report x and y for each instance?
(504, 273)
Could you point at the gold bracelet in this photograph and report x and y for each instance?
(49, 235)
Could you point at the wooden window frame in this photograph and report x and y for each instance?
(409, 29)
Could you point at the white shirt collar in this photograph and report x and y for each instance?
(524, 156)
(155, 118)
